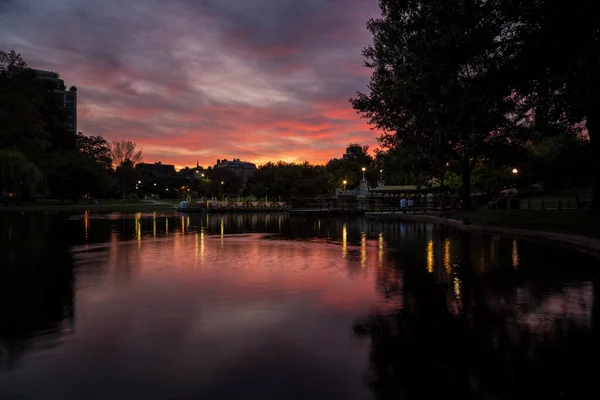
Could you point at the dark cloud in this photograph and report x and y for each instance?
(273, 77)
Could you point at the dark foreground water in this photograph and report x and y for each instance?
(165, 306)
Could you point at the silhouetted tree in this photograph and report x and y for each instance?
(97, 148)
(438, 81)
(122, 151)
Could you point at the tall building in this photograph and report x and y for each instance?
(68, 98)
(242, 169)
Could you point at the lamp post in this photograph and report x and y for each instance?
(345, 182)
(363, 170)
(515, 171)
(380, 175)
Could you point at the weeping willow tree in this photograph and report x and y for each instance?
(18, 176)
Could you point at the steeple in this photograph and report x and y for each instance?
(197, 165)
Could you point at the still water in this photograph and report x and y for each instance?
(181, 307)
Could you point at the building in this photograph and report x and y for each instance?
(196, 172)
(68, 98)
(352, 152)
(158, 169)
(242, 169)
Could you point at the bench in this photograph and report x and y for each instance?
(584, 200)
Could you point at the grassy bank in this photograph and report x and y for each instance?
(103, 206)
(574, 222)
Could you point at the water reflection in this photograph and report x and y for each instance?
(172, 306)
(496, 333)
(430, 257)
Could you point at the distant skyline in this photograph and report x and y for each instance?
(188, 80)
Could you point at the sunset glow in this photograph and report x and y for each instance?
(187, 80)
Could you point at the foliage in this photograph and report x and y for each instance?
(556, 59)
(349, 168)
(288, 180)
(127, 176)
(18, 175)
(97, 149)
(75, 174)
(122, 151)
(438, 84)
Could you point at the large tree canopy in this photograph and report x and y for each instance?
(18, 175)
(459, 83)
(438, 81)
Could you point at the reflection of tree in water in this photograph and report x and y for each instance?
(508, 339)
(36, 286)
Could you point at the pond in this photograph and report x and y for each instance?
(267, 306)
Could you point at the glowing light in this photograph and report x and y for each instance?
(430, 258)
(380, 250)
(515, 171)
(196, 246)
(222, 230)
(182, 225)
(138, 228)
(363, 250)
(167, 226)
(515, 254)
(447, 263)
(154, 225)
(202, 246)
(86, 222)
(457, 286)
(344, 241)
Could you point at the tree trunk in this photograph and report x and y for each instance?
(466, 184)
(592, 127)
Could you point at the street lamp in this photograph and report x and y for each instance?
(222, 183)
(515, 171)
(155, 184)
(139, 181)
(380, 175)
(345, 182)
(363, 170)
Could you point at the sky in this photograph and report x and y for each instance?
(200, 80)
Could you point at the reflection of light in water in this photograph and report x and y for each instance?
(430, 256)
(154, 225)
(222, 230)
(187, 223)
(380, 250)
(280, 223)
(319, 225)
(138, 228)
(363, 250)
(182, 225)
(344, 240)
(86, 222)
(456, 286)
(196, 248)
(515, 254)
(207, 220)
(167, 226)
(202, 246)
(447, 263)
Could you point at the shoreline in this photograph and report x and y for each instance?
(584, 243)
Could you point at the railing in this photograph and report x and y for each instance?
(239, 204)
(369, 204)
